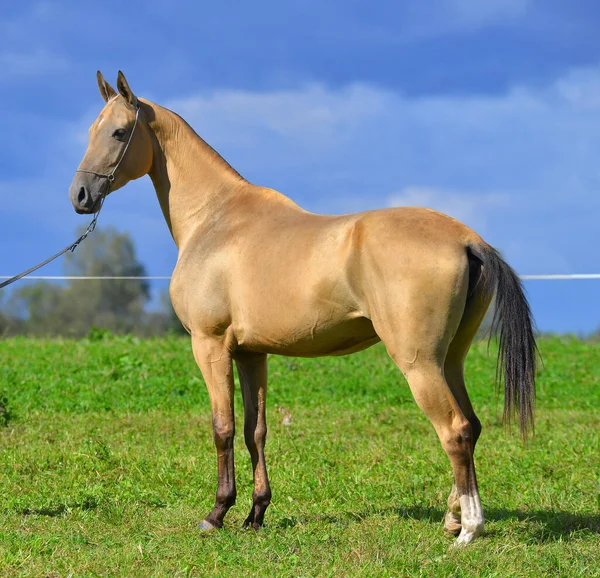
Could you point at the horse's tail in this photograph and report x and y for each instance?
(514, 325)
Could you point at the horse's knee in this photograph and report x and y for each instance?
(224, 433)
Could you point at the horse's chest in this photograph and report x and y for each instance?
(200, 298)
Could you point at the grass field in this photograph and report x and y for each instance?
(107, 464)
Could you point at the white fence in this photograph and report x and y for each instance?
(83, 278)
(168, 277)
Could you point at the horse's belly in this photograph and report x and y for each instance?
(310, 339)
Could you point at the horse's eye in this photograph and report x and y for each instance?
(119, 133)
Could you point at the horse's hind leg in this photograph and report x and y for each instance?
(252, 371)
(455, 380)
(474, 313)
(435, 398)
(417, 328)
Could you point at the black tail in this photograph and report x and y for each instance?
(513, 323)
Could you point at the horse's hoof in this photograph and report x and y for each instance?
(452, 528)
(452, 523)
(206, 526)
(467, 536)
(250, 523)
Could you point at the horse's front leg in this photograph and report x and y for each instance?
(252, 371)
(214, 360)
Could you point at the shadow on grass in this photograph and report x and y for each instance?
(87, 503)
(541, 525)
(55, 510)
(547, 525)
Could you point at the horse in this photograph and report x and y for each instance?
(256, 274)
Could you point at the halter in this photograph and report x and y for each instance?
(110, 177)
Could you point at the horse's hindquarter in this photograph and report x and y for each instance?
(414, 275)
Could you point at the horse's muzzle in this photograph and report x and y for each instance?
(86, 196)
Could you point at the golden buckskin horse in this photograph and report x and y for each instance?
(257, 274)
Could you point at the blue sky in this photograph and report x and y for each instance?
(488, 111)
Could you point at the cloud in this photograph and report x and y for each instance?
(580, 89)
(314, 115)
(524, 139)
(472, 209)
(478, 13)
(34, 63)
(424, 20)
(31, 37)
(520, 166)
(518, 162)
(399, 23)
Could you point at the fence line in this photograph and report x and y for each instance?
(559, 277)
(168, 277)
(87, 278)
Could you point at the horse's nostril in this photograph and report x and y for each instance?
(81, 197)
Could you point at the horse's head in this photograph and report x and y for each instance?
(119, 149)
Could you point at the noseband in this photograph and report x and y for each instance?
(110, 177)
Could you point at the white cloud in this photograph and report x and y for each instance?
(427, 19)
(475, 12)
(312, 115)
(518, 141)
(490, 161)
(519, 167)
(34, 63)
(408, 22)
(472, 209)
(580, 89)
(27, 40)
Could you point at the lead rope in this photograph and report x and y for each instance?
(71, 248)
(110, 178)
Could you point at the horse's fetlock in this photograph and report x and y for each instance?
(226, 497)
(262, 497)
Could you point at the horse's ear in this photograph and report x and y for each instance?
(106, 90)
(124, 90)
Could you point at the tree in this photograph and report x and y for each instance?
(74, 308)
(108, 303)
(38, 306)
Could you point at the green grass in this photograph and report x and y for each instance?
(107, 465)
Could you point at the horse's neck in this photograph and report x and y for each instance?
(192, 181)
